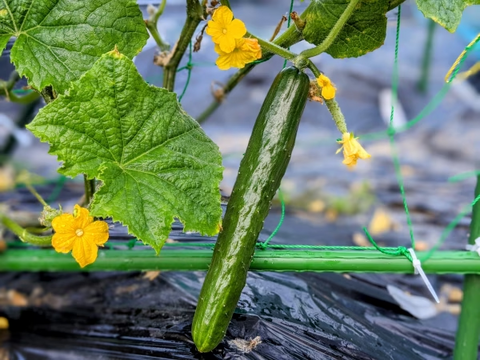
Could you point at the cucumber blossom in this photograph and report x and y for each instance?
(259, 176)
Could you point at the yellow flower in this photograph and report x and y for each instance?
(224, 30)
(352, 150)
(328, 88)
(78, 232)
(246, 51)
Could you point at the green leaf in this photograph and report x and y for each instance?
(447, 13)
(155, 161)
(364, 31)
(58, 40)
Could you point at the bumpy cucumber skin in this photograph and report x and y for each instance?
(259, 176)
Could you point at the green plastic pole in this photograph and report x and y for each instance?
(427, 58)
(442, 262)
(468, 333)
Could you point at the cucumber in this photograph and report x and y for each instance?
(259, 176)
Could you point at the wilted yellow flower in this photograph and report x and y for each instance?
(328, 88)
(352, 150)
(246, 51)
(224, 30)
(80, 234)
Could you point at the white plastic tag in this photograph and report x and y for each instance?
(475, 247)
(417, 265)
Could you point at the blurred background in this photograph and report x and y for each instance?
(326, 203)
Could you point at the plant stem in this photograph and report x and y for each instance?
(358, 261)
(468, 333)
(152, 28)
(7, 86)
(160, 10)
(427, 58)
(36, 194)
(337, 115)
(152, 23)
(313, 68)
(194, 16)
(289, 37)
(232, 82)
(273, 48)
(332, 35)
(23, 234)
(89, 189)
(30, 97)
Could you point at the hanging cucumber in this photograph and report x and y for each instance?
(259, 176)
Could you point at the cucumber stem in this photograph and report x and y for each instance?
(337, 115)
(36, 194)
(273, 48)
(194, 17)
(23, 234)
(333, 33)
(151, 25)
(31, 96)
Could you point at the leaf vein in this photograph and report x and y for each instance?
(51, 51)
(112, 159)
(161, 145)
(26, 15)
(11, 15)
(172, 206)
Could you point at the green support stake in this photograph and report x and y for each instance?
(468, 333)
(422, 84)
(358, 261)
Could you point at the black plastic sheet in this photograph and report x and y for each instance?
(114, 315)
(297, 316)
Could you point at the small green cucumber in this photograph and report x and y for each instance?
(259, 176)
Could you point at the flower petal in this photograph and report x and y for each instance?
(252, 45)
(350, 161)
(223, 16)
(349, 149)
(328, 92)
(223, 62)
(245, 51)
(218, 50)
(322, 81)
(213, 29)
(362, 154)
(227, 44)
(84, 251)
(82, 217)
(237, 29)
(63, 243)
(96, 232)
(63, 224)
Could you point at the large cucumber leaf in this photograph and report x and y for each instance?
(154, 160)
(447, 13)
(58, 40)
(364, 31)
